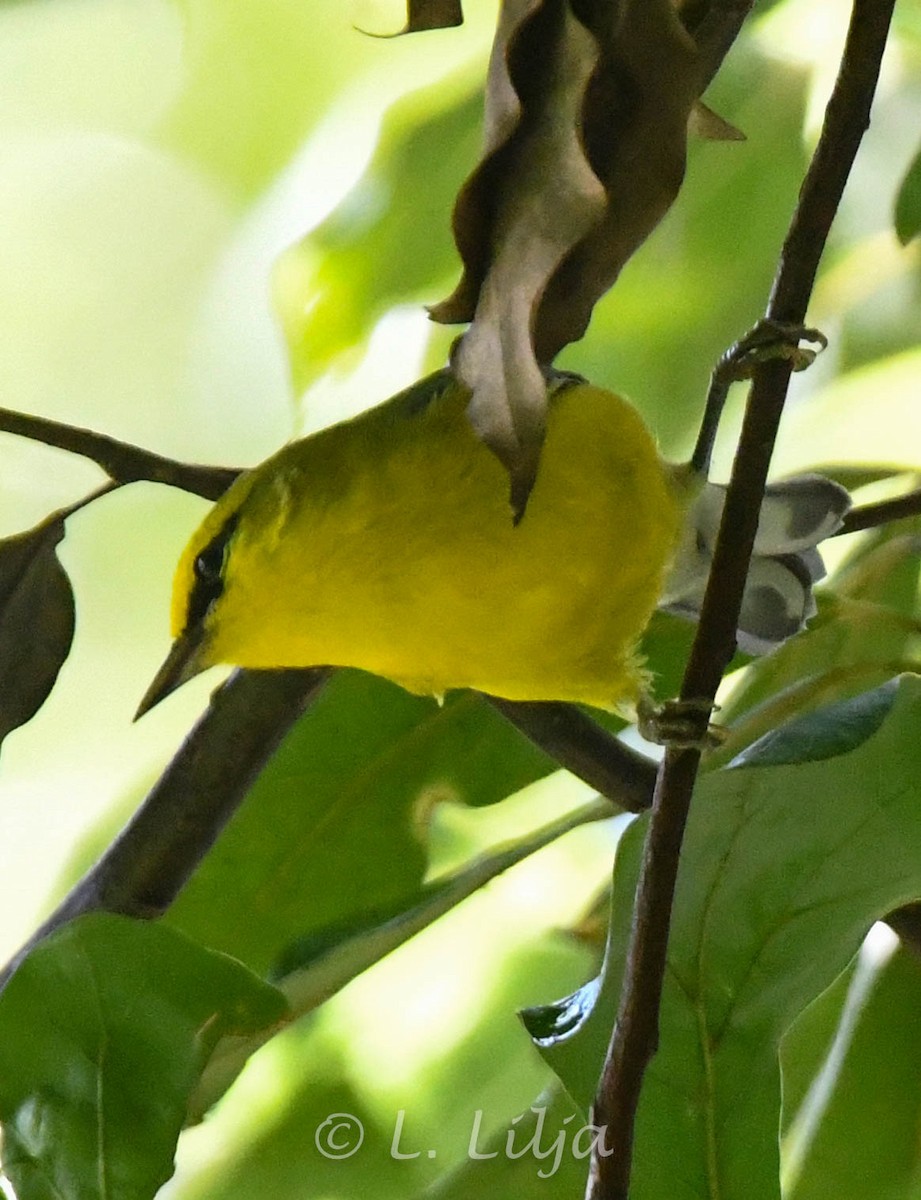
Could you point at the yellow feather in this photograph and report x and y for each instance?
(387, 543)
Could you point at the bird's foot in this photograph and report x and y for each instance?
(767, 340)
(680, 724)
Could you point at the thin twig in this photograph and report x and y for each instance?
(582, 746)
(144, 869)
(869, 516)
(121, 461)
(635, 1034)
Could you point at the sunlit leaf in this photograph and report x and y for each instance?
(870, 415)
(543, 1153)
(806, 1044)
(104, 1030)
(255, 81)
(36, 621)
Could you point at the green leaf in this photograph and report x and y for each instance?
(783, 871)
(866, 1134)
(104, 1031)
(335, 825)
(36, 621)
(481, 1062)
(869, 415)
(865, 632)
(908, 203)
(542, 1152)
(806, 1044)
(315, 968)
(827, 733)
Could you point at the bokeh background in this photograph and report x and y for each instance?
(219, 223)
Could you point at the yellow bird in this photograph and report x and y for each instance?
(387, 543)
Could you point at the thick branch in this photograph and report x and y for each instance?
(121, 461)
(144, 869)
(635, 1035)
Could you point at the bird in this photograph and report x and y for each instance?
(386, 543)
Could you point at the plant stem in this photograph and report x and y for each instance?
(635, 1035)
(121, 461)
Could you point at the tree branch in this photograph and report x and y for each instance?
(121, 461)
(635, 1034)
(582, 746)
(869, 516)
(144, 869)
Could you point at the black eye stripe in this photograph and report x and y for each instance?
(208, 572)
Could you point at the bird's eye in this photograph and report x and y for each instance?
(208, 570)
(209, 563)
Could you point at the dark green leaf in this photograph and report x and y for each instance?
(826, 733)
(36, 622)
(104, 1031)
(908, 204)
(551, 1022)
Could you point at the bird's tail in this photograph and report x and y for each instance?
(796, 515)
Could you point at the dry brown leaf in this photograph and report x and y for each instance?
(36, 621)
(705, 123)
(422, 15)
(432, 14)
(548, 198)
(588, 105)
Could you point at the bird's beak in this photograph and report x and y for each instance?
(183, 663)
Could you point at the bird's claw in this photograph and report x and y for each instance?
(770, 339)
(680, 724)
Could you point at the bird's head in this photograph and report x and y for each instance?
(204, 576)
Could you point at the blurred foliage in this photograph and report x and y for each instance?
(908, 204)
(389, 240)
(214, 212)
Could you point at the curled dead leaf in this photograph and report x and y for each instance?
(587, 110)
